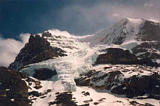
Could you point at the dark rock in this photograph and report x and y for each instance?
(34, 93)
(134, 103)
(46, 34)
(84, 80)
(139, 86)
(116, 56)
(144, 46)
(84, 105)
(148, 104)
(96, 103)
(36, 50)
(117, 83)
(148, 62)
(112, 79)
(87, 101)
(64, 99)
(101, 99)
(135, 85)
(150, 31)
(13, 90)
(44, 73)
(37, 83)
(85, 93)
(147, 51)
(120, 56)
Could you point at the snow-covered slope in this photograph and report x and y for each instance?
(79, 55)
(127, 29)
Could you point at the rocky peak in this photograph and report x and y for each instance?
(36, 50)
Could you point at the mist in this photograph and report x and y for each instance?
(89, 19)
(9, 48)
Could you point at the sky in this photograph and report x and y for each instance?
(19, 18)
(75, 16)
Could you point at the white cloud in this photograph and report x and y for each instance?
(9, 48)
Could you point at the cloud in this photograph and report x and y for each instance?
(103, 14)
(147, 10)
(9, 48)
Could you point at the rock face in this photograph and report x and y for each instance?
(84, 79)
(116, 56)
(150, 31)
(120, 56)
(147, 50)
(13, 90)
(143, 85)
(123, 81)
(36, 50)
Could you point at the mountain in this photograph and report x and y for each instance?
(127, 29)
(117, 66)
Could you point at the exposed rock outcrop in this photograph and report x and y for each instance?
(64, 99)
(150, 31)
(120, 56)
(13, 90)
(148, 50)
(116, 56)
(36, 50)
(123, 81)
